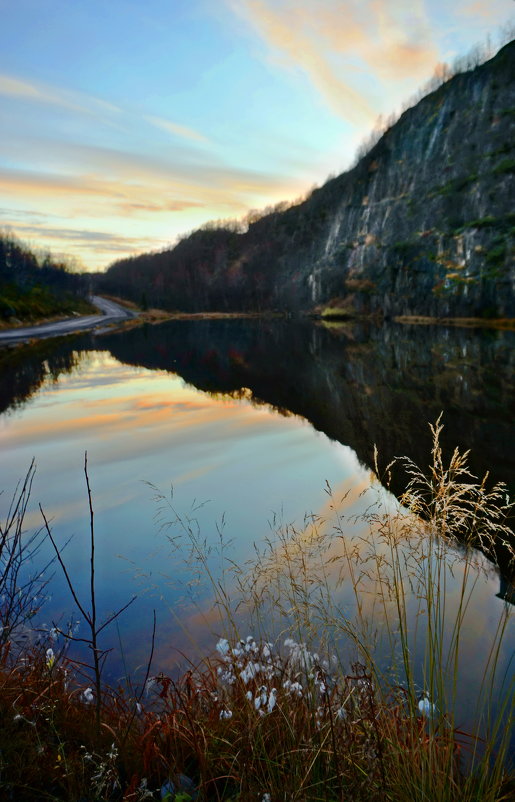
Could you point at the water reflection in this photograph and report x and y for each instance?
(360, 385)
(122, 397)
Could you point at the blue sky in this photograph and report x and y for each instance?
(124, 123)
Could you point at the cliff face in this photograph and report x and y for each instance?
(421, 226)
(426, 217)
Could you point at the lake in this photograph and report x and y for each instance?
(240, 426)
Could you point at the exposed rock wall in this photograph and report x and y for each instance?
(427, 220)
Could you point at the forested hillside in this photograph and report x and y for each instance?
(33, 287)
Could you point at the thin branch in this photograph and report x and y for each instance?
(115, 615)
(65, 571)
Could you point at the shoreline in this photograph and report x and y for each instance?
(137, 317)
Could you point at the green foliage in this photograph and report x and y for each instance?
(483, 222)
(496, 256)
(504, 166)
(455, 185)
(506, 147)
(39, 302)
(33, 287)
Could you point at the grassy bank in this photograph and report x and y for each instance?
(282, 713)
(38, 304)
(505, 324)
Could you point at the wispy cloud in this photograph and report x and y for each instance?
(83, 240)
(477, 8)
(176, 129)
(283, 29)
(134, 181)
(335, 44)
(11, 86)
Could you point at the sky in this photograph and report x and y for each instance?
(127, 123)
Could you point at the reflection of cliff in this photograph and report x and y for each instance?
(360, 385)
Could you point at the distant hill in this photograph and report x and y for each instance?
(33, 287)
(422, 225)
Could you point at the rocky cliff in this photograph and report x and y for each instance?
(422, 225)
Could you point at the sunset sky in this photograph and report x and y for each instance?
(124, 123)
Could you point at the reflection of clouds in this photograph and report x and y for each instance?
(195, 473)
(105, 399)
(75, 509)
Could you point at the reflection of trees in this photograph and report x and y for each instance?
(360, 385)
(23, 370)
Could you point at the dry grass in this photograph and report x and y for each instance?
(466, 322)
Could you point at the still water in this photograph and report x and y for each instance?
(243, 422)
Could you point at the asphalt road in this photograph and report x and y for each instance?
(111, 312)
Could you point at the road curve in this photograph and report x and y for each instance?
(111, 312)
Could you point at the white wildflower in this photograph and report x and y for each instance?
(266, 798)
(222, 647)
(50, 658)
(272, 698)
(225, 714)
(426, 707)
(300, 657)
(293, 688)
(249, 672)
(227, 676)
(87, 695)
